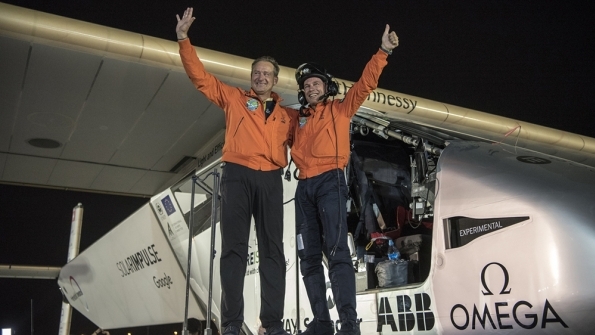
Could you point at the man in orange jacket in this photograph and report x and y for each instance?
(321, 151)
(255, 152)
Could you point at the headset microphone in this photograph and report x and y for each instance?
(324, 96)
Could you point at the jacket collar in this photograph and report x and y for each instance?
(274, 95)
(318, 107)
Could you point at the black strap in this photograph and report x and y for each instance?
(269, 106)
(302, 113)
(288, 172)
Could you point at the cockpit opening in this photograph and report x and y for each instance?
(392, 185)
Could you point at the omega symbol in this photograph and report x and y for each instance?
(485, 286)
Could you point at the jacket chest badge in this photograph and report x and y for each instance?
(252, 104)
(303, 121)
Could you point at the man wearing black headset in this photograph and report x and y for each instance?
(321, 151)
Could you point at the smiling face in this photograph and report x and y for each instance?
(314, 90)
(263, 79)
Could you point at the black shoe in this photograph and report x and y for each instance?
(275, 331)
(317, 327)
(349, 328)
(231, 330)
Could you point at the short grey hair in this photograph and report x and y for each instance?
(270, 60)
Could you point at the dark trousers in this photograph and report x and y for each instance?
(246, 193)
(321, 226)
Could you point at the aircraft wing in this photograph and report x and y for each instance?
(93, 108)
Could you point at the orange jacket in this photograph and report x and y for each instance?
(251, 140)
(314, 149)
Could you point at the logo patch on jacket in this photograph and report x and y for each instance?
(303, 121)
(252, 104)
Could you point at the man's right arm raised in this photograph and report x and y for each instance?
(209, 85)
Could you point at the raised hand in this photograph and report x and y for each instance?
(389, 40)
(184, 23)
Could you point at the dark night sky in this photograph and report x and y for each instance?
(35, 230)
(528, 60)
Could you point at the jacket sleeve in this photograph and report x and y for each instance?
(368, 82)
(215, 90)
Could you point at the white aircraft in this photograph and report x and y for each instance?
(493, 216)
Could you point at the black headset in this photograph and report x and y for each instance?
(308, 70)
